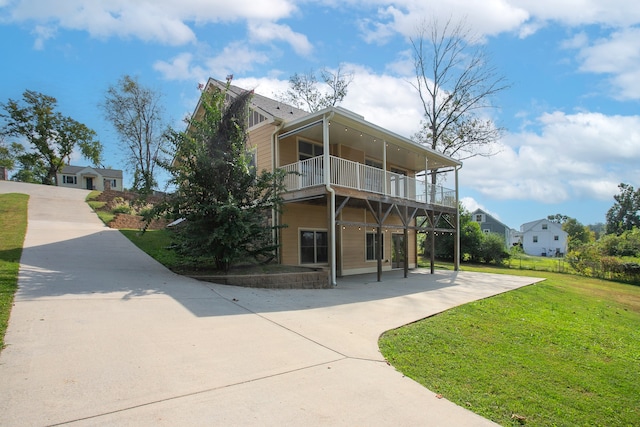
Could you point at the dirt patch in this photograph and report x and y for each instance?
(112, 199)
(136, 222)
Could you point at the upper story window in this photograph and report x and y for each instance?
(535, 239)
(478, 217)
(307, 150)
(556, 238)
(545, 226)
(255, 118)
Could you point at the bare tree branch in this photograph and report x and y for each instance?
(456, 83)
(307, 93)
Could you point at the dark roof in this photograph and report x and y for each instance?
(266, 105)
(108, 173)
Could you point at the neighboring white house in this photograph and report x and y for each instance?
(543, 238)
(89, 178)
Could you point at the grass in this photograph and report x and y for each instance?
(13, 227)
(563, 352)
(97, 206)
(156, 244)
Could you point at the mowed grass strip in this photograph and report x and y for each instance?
(564, 352)
(13, 226)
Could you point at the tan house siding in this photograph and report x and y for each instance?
(288, 151)
(260, 140)
(351, 239)
(298, 216)
(352, 154)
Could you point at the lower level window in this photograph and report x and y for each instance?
(314, 247)
(372, 246)
(69, 179)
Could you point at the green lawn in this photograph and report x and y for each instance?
(13, 227)
(564, 352)
(155, 243)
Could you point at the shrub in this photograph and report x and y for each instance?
(492, 249)
(123, 209)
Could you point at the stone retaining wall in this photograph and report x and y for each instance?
(306, 280)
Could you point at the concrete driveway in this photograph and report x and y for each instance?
(101, 334)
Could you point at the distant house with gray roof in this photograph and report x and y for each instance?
(88, 178)
(489, 224)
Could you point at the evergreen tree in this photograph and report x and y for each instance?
(226, 203)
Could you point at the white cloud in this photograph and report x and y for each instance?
(180, 68)
(265, 32)
(617, 55)
(234, 58)
(489, 17)
(470, 204)
(583, 155)
(394, 104)
(583, 12)
(163, 21)
(42, 33)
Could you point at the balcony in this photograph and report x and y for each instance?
(346, 173)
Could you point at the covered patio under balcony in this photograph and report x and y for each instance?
(336, 158)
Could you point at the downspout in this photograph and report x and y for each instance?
(456, 264)
(275, 220)
(332, 197)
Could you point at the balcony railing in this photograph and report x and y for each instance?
(349, 174)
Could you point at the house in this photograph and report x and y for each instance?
(89, 178)
(543, 238)
(488, 224)
(356, 194)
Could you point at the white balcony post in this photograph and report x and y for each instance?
(384, 166)
(332, 199)
(456, 255)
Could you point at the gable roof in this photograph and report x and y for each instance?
(490, 216)
(529, 225)
(107, 173)
(262, 104)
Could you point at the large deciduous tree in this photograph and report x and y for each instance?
(309, 94)
(625, 213)
(137, 114)
(226, 203)
(456, 84)
(52, 137)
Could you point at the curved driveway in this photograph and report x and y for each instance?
(101, 334)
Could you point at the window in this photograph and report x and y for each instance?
(556, 238)
(545, 226)
(255, 118)
(313, 247)
(479, 218)
(486, 231)
(535, 239)
(372, 246)
(307, 150)
(69, 179)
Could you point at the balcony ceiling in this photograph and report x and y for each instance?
(351, 130)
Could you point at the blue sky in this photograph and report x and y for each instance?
(572, 119)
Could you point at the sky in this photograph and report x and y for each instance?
(571, 112)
